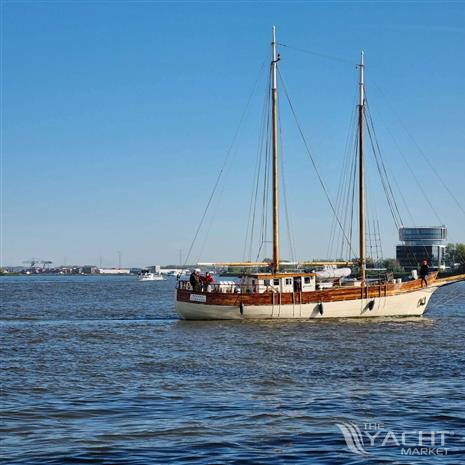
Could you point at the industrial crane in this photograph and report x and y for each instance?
(33, 262)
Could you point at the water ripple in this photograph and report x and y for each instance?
(99, 370)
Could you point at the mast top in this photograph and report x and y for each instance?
(361, 84)
(274, 59)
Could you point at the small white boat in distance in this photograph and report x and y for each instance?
(151, 277)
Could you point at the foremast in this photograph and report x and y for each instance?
(274, 104)
(361, 122)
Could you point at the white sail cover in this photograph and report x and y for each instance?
(333, 273)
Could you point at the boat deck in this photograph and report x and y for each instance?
(335, 294)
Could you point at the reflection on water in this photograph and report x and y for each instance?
(100, 370)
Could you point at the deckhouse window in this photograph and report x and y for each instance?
(288, 281)
(307, 280)
(276, 282)
(266, 282)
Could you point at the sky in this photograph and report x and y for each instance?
(118, 116)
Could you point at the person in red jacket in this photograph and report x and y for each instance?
(207, 280)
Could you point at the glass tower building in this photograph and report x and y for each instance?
(421, 243)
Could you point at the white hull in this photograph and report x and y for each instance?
(407, 304)
(152, 278)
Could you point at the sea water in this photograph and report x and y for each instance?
(101, 370)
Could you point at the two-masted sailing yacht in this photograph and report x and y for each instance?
(278, 293)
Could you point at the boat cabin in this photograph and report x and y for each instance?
(260, 283)
(281, 282)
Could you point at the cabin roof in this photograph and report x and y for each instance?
(280, 275)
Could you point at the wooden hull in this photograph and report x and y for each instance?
(393, 299)
(404, 299)
(406, 304)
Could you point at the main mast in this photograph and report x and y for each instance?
(274, 98)
(361, 122)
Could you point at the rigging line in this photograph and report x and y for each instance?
(259, 159)
(371, 237)
(373, 244)
(389, 199)
(266, 179)
(345, 206)
(384, 170)
(373, 213)
(266, 169)
(342, 206)
(339, 199)
(250, 218)
(404, 202)
(425, 195)
(402, 197)
(265, 176)
(354, 182)
(214, 213)
(379, 235)
(283, 180)
(376, 239)
(202, 218)
(251, 203)
(378, 154)
(374, 221)
(350, 195)
(215, 208)
(321, 55)
(228, 153)
(399, 190)
(263, 155)
(343, 177)
(385, 180)
(310, 156)
(368, 214)
(422, 153)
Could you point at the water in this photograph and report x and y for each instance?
(100, 370)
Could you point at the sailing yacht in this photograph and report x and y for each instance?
(276, 292)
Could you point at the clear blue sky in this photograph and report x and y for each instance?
(117, 117)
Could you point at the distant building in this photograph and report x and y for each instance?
(89, 269)
(421, 243)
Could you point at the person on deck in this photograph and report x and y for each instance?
(194, 279)
(207, 280)
(424, 272)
